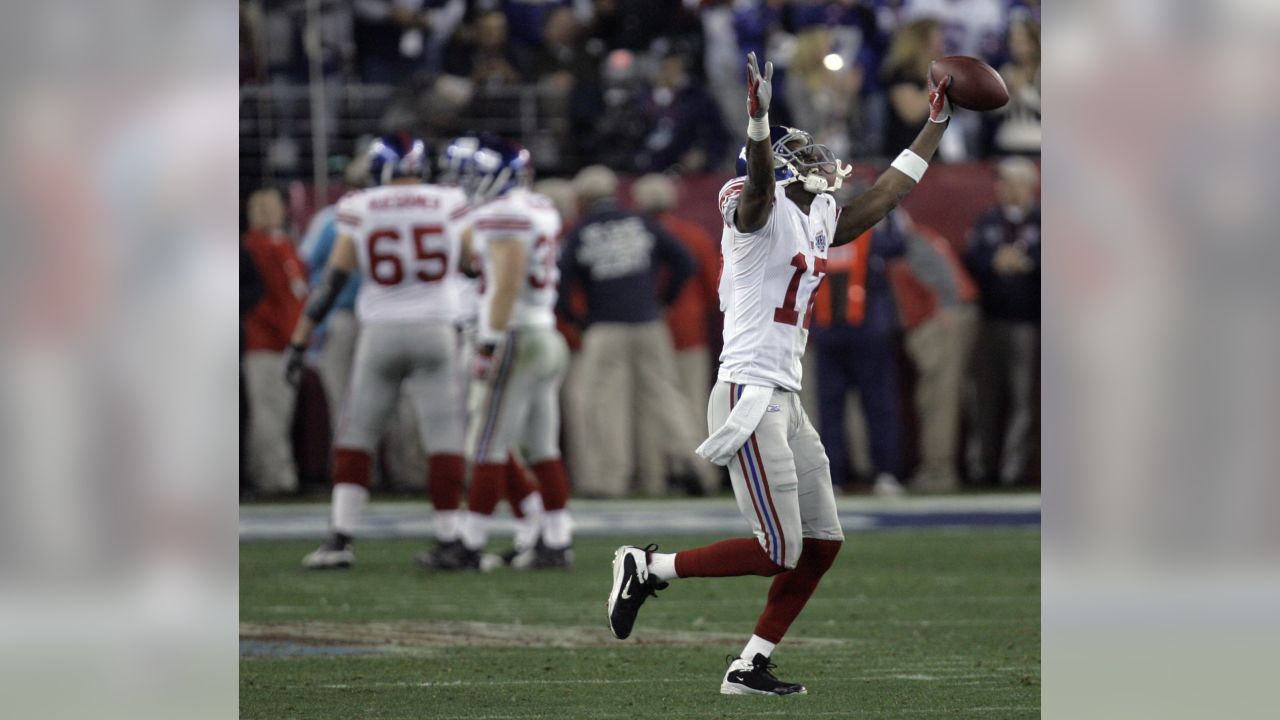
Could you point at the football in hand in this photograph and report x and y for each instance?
(975, 85)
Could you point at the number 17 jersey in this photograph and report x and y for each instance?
(407, 240)
(767, 285)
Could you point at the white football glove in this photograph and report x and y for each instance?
(743, 420)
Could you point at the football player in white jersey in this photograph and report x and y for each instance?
(520, 357)
(521, 490)
(404, 237)
(780, 219)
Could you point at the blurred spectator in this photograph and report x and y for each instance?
(283, 43)
(636, 24)
(935, 298)
(621, 126)
(562, 59)
(267, 330)
(529, 19)
(251, 293)
(1018, 123)
(1003, 257)
(575, 427)
(335, 337)
(483, 54)
(971, 27)
(822, 90)
(396, 38)
(904, 72)
(628, 366)
(251, 61)
(691, 318)
(685, 130)
(854, 328)
(755, 22)
(723, 64)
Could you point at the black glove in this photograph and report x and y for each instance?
(293, 363)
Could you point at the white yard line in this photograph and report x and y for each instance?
(944, 680)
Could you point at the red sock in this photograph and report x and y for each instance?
(352, 466)
(446, 474)
(487, 483)
(553, 483)
(727, 558)
(791, 590)
(519, 486)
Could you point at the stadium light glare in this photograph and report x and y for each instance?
(833, 62)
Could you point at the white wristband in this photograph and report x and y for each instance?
(758, 128)
(911, 165)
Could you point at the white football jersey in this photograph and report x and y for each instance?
(532, 220)
(767, 285)
(407, 239)
(468, 300)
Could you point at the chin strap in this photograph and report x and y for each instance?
(816, 183)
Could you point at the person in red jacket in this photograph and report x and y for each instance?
(690, 319)
(267, 329)
(936, 303)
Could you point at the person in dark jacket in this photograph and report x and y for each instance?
(1003, 257)
(853, 336)
(614, 257)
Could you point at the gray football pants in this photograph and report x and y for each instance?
(781, 477)
(418, 355)
(520, 407)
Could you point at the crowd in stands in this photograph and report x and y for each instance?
(938, 341)
(656, 85)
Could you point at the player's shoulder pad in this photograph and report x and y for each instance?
(731, 189)
(454, 200)
(502, 214)
(350, 207)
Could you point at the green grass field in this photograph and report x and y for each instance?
(908, 624)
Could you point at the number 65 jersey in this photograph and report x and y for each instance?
(407, 239)
(532, 220)
(767, 287)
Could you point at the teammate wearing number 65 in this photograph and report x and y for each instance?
(404, 237)
(780, 219)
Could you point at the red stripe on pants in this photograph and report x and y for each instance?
(764, 480)
(746, 476)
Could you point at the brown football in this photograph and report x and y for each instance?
(975, 85)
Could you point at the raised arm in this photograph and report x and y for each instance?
(894, 183)
(756, 200)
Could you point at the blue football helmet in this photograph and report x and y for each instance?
(398, 155)
(797, 156)
(485, 166)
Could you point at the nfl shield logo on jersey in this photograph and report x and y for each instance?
(821, 241)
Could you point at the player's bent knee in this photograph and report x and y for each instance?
(820, 554)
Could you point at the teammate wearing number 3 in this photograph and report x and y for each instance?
(404, 237)
(780, 220)
(520, 357)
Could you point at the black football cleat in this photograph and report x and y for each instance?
(540, 557)
(450, 557)
(755, 677)
(632, 585)
(334, 553)
(431, 559)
